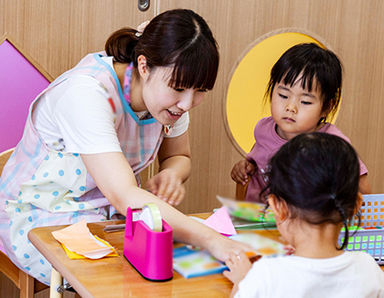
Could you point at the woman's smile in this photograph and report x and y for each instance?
(174, 116)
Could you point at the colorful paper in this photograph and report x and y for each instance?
(78, 242)
(221, 222)
(74, 256)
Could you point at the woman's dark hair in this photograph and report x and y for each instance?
(311, 62)
(179, 38)
(317, 175)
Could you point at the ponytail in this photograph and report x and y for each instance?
(121, 45)
(344, 219)
(177, 38)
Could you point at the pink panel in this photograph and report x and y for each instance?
(20, 83)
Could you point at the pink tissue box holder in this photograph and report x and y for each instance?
(149, 252)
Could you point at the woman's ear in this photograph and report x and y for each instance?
(279, 208)
(142, 67)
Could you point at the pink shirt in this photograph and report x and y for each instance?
(268, 142)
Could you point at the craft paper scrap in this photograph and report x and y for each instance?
(78, 239)
(221, 222)
(74, 256)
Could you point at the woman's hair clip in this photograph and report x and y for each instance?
(332, 196)
(140, 28)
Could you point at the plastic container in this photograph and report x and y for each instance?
(149, 252)
(370, 240)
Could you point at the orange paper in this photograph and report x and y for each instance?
(78, 239)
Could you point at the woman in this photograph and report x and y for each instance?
(99, 124)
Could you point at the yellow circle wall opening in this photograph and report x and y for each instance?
(245, 103)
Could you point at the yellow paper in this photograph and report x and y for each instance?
(74, 256)
(77, 239)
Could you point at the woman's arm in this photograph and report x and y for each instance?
(114, 177)
(175, 154)
(175, 166)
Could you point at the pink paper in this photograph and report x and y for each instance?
(221, 222)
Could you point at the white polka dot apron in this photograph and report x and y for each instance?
(43, 187)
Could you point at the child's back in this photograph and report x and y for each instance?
(352, 274)
(312, 189)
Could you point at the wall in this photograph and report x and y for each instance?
(352, 28)
(58, 33)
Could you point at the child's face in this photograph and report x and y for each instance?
(167, 104)
(296, 110)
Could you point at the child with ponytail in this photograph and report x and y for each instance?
(312, 187)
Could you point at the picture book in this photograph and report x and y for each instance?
(243, 224)
(194, 262)
(251, 211)
(191, 262)
(262, 246)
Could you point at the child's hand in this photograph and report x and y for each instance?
(241, 170)
(238, 265)
(167, 186)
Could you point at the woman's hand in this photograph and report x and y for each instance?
(238, 265)
(168, 186)
(175, 166)
(241, 170)
(222, 247)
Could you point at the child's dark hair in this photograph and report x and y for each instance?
(311, 62)
(317, 175)
(179, 38)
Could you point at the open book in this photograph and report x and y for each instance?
(248, 215)
(193, 262)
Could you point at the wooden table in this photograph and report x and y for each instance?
(115, 277)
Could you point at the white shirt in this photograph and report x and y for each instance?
(75, 116)
(352, 274)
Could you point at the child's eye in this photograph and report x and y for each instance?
(283, 96)
(179, 89)
(306, 102)
(202, 90)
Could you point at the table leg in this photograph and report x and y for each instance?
(56, 282)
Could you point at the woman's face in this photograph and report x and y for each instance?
(167, 104)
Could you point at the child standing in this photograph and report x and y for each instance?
(313, 191)
(304, 91)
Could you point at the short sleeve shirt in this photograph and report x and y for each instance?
(267, 143)
(76, 116)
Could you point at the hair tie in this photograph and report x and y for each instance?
(140, 28)
(332, 196)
